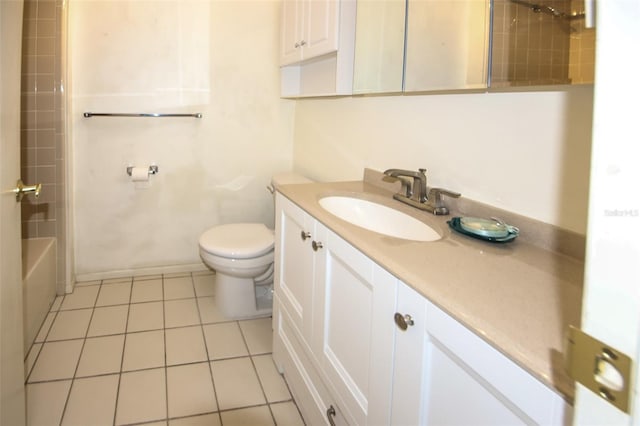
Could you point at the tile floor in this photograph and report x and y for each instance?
(153, 350)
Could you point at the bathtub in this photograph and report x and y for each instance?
(38, 284)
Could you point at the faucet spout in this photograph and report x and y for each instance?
(417, 195)
(419, 190)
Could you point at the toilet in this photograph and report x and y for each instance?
(242, 256)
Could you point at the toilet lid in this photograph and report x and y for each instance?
(238, 240)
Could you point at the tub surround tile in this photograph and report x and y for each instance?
(190, 390)
(143, 350)
(142, 397)
(70, 325)
(101, 355)
(108, 320)
(185, 345)
(257, 335)
(224, 340)
(57, 360)
(92, 401)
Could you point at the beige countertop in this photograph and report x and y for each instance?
(517, 296)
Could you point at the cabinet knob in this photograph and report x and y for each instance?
(316, 245)
(303, 43)
(403, 321)
(331, 413)
(304, 235)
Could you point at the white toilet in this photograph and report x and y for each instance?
(241, 254)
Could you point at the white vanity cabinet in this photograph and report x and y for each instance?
(309, 29)
(332, 334)
(339, 345)
(445, 374)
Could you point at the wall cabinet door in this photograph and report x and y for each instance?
(309, 29)
(443, 373)
(353, 332)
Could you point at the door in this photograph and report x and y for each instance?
(611, 304)
(12, 404)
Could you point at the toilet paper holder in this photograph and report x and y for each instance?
(153, 169)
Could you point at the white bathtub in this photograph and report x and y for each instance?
(38, 284)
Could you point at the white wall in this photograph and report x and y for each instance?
(523, 152)
(214, 57)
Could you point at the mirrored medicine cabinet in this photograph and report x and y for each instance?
(452, 45)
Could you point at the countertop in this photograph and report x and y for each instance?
(517, 296)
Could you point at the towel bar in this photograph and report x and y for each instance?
(108, 114)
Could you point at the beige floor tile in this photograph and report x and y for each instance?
(142, 397)
(185, 345)
(286, 414)
(247, 416)
(92, 401)
(176, 274)
(57, 360)
(114, 294)
(45, 402)
(181, 313)
(147, 277)
(209, 311)
(87, 283)
(70, 325)
(224, 340)
(108, 320)
(146, 291)
(204, 285)
(178, 288)
(145, 316)
(57, 302)
(202, 420)
(190, 390)
(236, 383)
(45, 327)
(273, 384)
(117, 280)
(82, 297)
(143, 350)
(101, 355)
(258, 334)
(34, 351)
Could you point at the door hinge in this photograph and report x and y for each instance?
(599, 367)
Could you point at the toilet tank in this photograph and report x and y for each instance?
(286, 179)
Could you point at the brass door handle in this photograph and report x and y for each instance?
(22, 189)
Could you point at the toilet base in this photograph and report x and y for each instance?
(236, 298)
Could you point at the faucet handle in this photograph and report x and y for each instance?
(435, 199)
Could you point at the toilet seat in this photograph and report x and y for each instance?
(238, 240)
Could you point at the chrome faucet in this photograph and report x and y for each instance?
(416, 195)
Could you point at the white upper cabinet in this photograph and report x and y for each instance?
(309, 29)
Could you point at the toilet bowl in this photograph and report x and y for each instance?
(242, 256)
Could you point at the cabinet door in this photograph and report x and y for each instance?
(321, 28)
(291, 26)
(294, 264)
(445, 374)
(353, 334)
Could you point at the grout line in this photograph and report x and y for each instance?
(164, 337)
(124, 343)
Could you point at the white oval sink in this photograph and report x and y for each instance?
(378, 218)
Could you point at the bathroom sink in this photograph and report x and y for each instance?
(379, 218)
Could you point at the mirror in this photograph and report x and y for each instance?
(541, 42)
(379, 52)
(447, 45)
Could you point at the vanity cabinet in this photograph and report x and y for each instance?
(309, 29)
(332, 307)
(360, 347)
